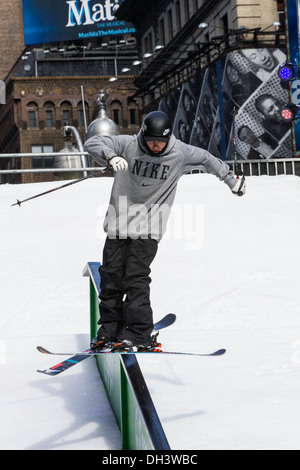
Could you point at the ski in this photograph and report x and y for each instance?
(89, 352)
(168, 320)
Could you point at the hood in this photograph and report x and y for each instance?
(166, 150)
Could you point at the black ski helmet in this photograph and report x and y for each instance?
(156, 126)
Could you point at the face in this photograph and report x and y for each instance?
(271, 109)
(246, 135)
(232, 74)
(260, 57)
(156, 146)
(187, 103)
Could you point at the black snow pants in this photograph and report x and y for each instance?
(125, 310)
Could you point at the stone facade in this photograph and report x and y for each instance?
(11, 35)
(59, 95)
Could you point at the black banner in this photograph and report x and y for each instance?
(241, 95)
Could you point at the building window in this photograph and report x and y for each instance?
(150, 43)
(66, 109)
(41, 161)
(32, 114)
(116, 107)
(66, 117)
(83, 113)
(162, 32)
(224, 26)
(170, 24)
(49, 119)
(281, 14)
(49, 109)
(178, 16)
(81, 118)
(32, 119)
(116, 116)
(187, 10)
(132, 117)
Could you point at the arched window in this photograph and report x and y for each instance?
(66, 112)
(32, 109)
(116, 109)
(133, 114)
(81, 113)
(50, 114)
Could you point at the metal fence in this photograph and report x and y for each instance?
(270, 167)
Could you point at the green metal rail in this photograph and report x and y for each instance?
(125, 387)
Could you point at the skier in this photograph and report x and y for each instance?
(147, 168)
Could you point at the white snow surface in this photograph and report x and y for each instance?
(228, 267)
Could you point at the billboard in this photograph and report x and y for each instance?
(238, 96)
(293, 31)
(47, 21)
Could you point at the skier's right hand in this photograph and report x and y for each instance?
(118, 163)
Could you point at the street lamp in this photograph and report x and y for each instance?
(277, 24)
(205, 25)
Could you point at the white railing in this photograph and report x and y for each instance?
(271, 167)
(14, 156)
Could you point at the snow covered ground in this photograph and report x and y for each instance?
(228, 267)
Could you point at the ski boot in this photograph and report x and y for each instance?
(100, 343)
(122, 345)
(154, 346)
(125, 345)
(106, 334)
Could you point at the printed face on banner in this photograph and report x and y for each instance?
(65, 20)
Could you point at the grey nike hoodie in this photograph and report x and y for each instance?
(142, 197)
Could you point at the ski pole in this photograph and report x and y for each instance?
(234, 113)
(236, 167)
(99, 173)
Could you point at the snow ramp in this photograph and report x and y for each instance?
(125, 386)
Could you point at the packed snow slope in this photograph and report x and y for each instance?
(228, 267)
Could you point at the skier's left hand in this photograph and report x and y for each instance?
(240, 187)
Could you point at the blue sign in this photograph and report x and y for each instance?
(47, 21)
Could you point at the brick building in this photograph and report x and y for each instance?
(45, 87)
(11, 35)
(37, 109)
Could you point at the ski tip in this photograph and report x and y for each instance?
(45, 372)
(42, 350)
(171, 316)
(220, 352)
